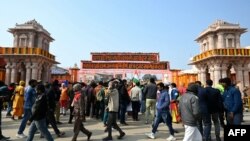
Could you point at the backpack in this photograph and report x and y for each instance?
(100, 95)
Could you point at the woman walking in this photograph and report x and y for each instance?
(18, 101)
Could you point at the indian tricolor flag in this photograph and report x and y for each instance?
(136, 77)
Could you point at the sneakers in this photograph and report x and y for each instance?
(21, 136)
(150, 135)
(171, 138)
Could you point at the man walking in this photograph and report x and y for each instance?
(163, 113)
(38, 117)
(189, 110)
(113, 105)
(78, 104)
(232, 103)
(3, 95)
(29, 98)
(50, 95)
(215, 107)
(150, 92)
(135, 96)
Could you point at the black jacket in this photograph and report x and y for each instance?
(39, 109)
(203, 100)
(4, 95)
(123, 95)
(150, 91)
(214, 99)
(51, 98)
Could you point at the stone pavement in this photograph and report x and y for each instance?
(135, 131)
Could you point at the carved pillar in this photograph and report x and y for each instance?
(39, 73)
(211, 71)
(28, 72)
(40, 42)
(224, 69)
(239, 76)
(203, 76)
(233, 43)
(15, 43)
(211, 42)
(237, 40)
(22, 74)
(49, 73)
(31, 39)
(7, 73)
(220, 40)
(227, 43)
(13, 77)
(46, 73)
(200, 44)
(246, 75)
(198, 72)
(239, 72)
(34, 69)
(217, 73)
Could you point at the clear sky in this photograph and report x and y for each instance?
(83, 26)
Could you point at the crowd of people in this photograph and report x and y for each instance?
(195, 106)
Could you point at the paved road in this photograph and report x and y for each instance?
(135, 131)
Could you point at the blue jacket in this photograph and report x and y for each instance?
(29, 97)
(163, 101)
(232, 100)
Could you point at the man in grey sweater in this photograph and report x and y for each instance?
(189, 110)
(113, 105)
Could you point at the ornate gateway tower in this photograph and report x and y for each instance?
(123, 63)
(29, 58)
(221, 54)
